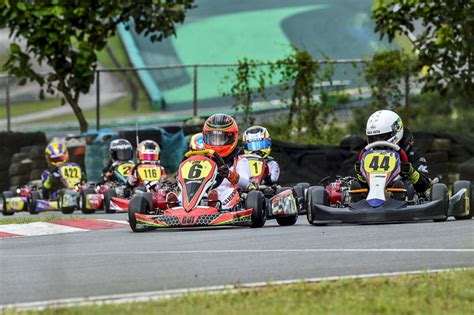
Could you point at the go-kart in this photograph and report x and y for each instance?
(387, 198)
(283, 203)
(16, 201)
(152, 183)
(68, 177)
(101, 197)
(197, 176)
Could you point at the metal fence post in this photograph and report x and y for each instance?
(97, 109)
(8, 104)
(195, 100)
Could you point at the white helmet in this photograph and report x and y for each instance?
(384, 125)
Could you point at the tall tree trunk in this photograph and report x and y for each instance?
(73, 101)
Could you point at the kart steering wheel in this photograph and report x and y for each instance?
(400, 151)
(220, 162)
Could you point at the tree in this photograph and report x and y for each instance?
(66, 34)
(444, 38)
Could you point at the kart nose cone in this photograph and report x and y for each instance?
(375, 202)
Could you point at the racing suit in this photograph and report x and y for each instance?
(417, 169)
(272, 172)
(227, 193)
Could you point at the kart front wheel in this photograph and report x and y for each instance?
(5, 196)
(464, 184)
(107, 199)
(83, 201)
(286, 221)
(317, 195)
(138, 204)
(64, 209)
(256, 201)
(35, 195)
(440, 192)
(300, 190)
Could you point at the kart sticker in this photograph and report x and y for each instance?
(256, 167)
(149, 173)
(196, 169)
(71, 174)
(379, 162)
(124, 169)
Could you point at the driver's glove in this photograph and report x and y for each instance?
(132, 180)
(358, 173)
(232, 176)
(151, 185)
(408, 172)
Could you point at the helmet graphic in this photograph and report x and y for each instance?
(196, 143)
(257, 140)
(384, 125)
(56, 154)
(148, 151)
(121, 150)
(220, 133)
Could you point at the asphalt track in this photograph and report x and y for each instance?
(120, 261)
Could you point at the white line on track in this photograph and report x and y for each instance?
(168, 294)
(260, 251)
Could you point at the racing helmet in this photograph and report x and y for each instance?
(384, 125)
(148, 151)
(56, 154)
(257, 140)
(121, 150)
(221, 134)
(196, 142)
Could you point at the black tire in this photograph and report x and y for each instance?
(256, 201)
(19, 169)
(140, 205)
(286, 221)
(34, 196)
(83, 203)
(317, 195)
(20, 156)
(440, 192)
(5, 196)
(39, 164)
(300, 190)
(65, 210)
(461, 184)
(107, 198)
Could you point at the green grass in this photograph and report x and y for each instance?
(17, 109)
(443, 293)
(38, 219)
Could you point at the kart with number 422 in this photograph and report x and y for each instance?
(387, 198)
(197, 176)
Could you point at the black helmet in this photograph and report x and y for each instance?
(121, 150)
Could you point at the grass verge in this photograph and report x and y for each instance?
(39, 219)
(441, 293)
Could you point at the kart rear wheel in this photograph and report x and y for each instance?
(461, 184)
(301, 190)
(317, 195)
(32, 201)
(256, 201)
(83, 200)
(107, 199)
(5, 196)
(64, 210)
(440, 192)
(138, 204)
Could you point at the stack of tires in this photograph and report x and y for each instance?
(26, 165)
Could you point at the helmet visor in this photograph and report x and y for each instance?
(258, 145)
(123, 154)
(218, 138)
(379, 137)
(148, 157)
(58, 159)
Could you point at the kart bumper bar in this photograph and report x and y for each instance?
(361, 212)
